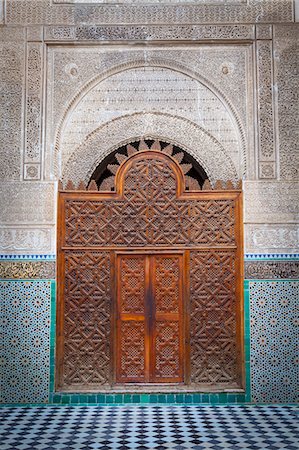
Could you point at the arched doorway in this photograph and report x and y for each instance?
(150, 276)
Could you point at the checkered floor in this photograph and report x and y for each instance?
(149, 427)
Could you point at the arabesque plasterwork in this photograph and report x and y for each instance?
(23, 239)
(47, 12)
(167, 81)
(187, 135)
(27, 270)
(239, 63)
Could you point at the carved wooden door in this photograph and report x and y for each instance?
(150, 279)
(149, 336)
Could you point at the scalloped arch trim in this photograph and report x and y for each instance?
(181, 132)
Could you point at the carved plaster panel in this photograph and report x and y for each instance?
(27, 203)
(27, 239)
(267, 151)
(263, 31)
(187, 135)
(12, 55)
(27, 270)
(279, 238)
(148, 32)
(34, 92)
(151, 89)
(269, 270)
(286, 69)
(1, 11)
(271, 202)
(45, 11)
(201, 78)
(207, 2)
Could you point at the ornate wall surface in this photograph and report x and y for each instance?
(218, 78)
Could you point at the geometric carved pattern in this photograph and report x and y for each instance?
(168, 364)
(109, 183)
(25, 311)
(149, 210)
(132, 350)
(132, 288)
(149, 330)
(213, 317)
(274, 326)
(167, 279)
(149, 214)
(87, 318)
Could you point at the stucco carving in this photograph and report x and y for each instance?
(271, 238)
(35, 33)
(263, 31)
(155, 89)
(286, 69)
(44, 11)
(148, 32)
(271, 202)
(1, 11)
(267, 270)
(27, 203)
(102, 78)
(207, 2)
(11, 98)
(32, 153)
(184, 133)
(27, 239)
(265, 110)
(27, 270)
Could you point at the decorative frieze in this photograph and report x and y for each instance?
(286, 71)
(24, 239)
(32, 152)
(94, 2)
(270, 238)
(269, 270)
(45, 11)
(27, 270)
(266, 131)
(148, 32)
(271, 202)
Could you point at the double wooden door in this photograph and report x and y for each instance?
(149, 337)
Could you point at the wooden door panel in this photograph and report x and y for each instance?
(168, 314)
(132, 336)
(149, 337)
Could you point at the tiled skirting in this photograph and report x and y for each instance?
(274, 338)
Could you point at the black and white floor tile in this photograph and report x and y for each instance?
(150, 427)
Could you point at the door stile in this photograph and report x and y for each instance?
(168, 319)
(148, 300)
(186, 316)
